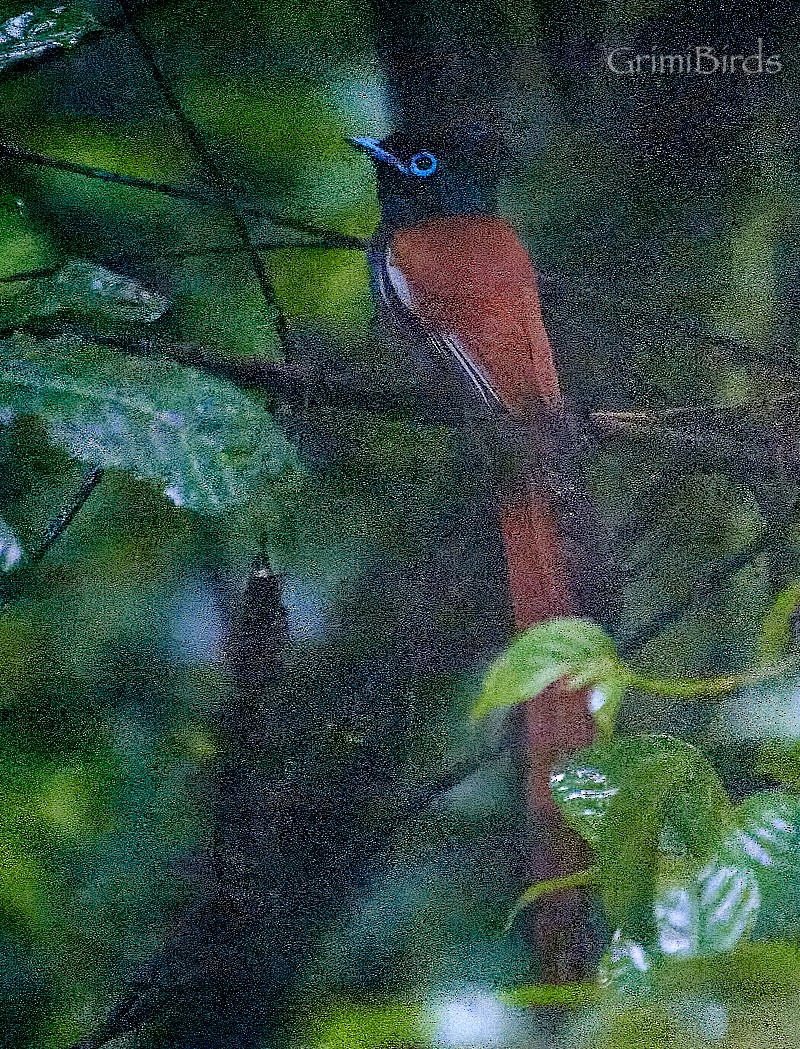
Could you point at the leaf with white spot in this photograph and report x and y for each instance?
(84, 287)
(690, 796)
(206, 442)
(605, 700)
(584, 790)
(635, 799)
(675, 910)
(10, 548)
(767, 834)
(576, 650)
(728, 902)
(40, 31)
(707, 914)
(625, 968)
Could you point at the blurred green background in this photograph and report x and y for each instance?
(662, 213)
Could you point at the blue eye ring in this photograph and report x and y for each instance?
(423, 164)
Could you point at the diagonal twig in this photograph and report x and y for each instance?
(327, 242)
(19, 155)
(61, 523)
(224, 190)
(699, 597)
(54, 531)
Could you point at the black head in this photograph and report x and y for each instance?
(424, 176)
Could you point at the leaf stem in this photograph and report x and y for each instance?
(577, 880)
(709, 687)
(567, 995)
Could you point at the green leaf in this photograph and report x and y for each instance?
(708, 914)
(625, 968)
(692, 798)
(86, 288)
(728, 902)
(767, 835)
(776, 637)
(711, 912)
(635, 800)
(574, 649)
(757, 861)
(10, 549)
(208, 444)
(35, 33)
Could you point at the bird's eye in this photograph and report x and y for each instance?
(422, 164)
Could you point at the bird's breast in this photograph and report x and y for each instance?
(468, 278)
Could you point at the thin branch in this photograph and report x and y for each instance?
(292, 384)
(28, 156)
(744, 448)
(223, 185)
(61, 523)
(326, 242)
(699, 597)
(20, 155)
(14, 579)
(378, 390)
(334, 242)
(24, 275)
(694, 413)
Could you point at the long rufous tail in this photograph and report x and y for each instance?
(558, 721)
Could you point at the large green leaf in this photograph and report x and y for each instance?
(574, 649)
(636, 800)
(691, 797)
(208, 444)
(710, 909)
(37, 32)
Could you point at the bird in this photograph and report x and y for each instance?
(453, 275)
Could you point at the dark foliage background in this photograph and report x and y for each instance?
(257, 825)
